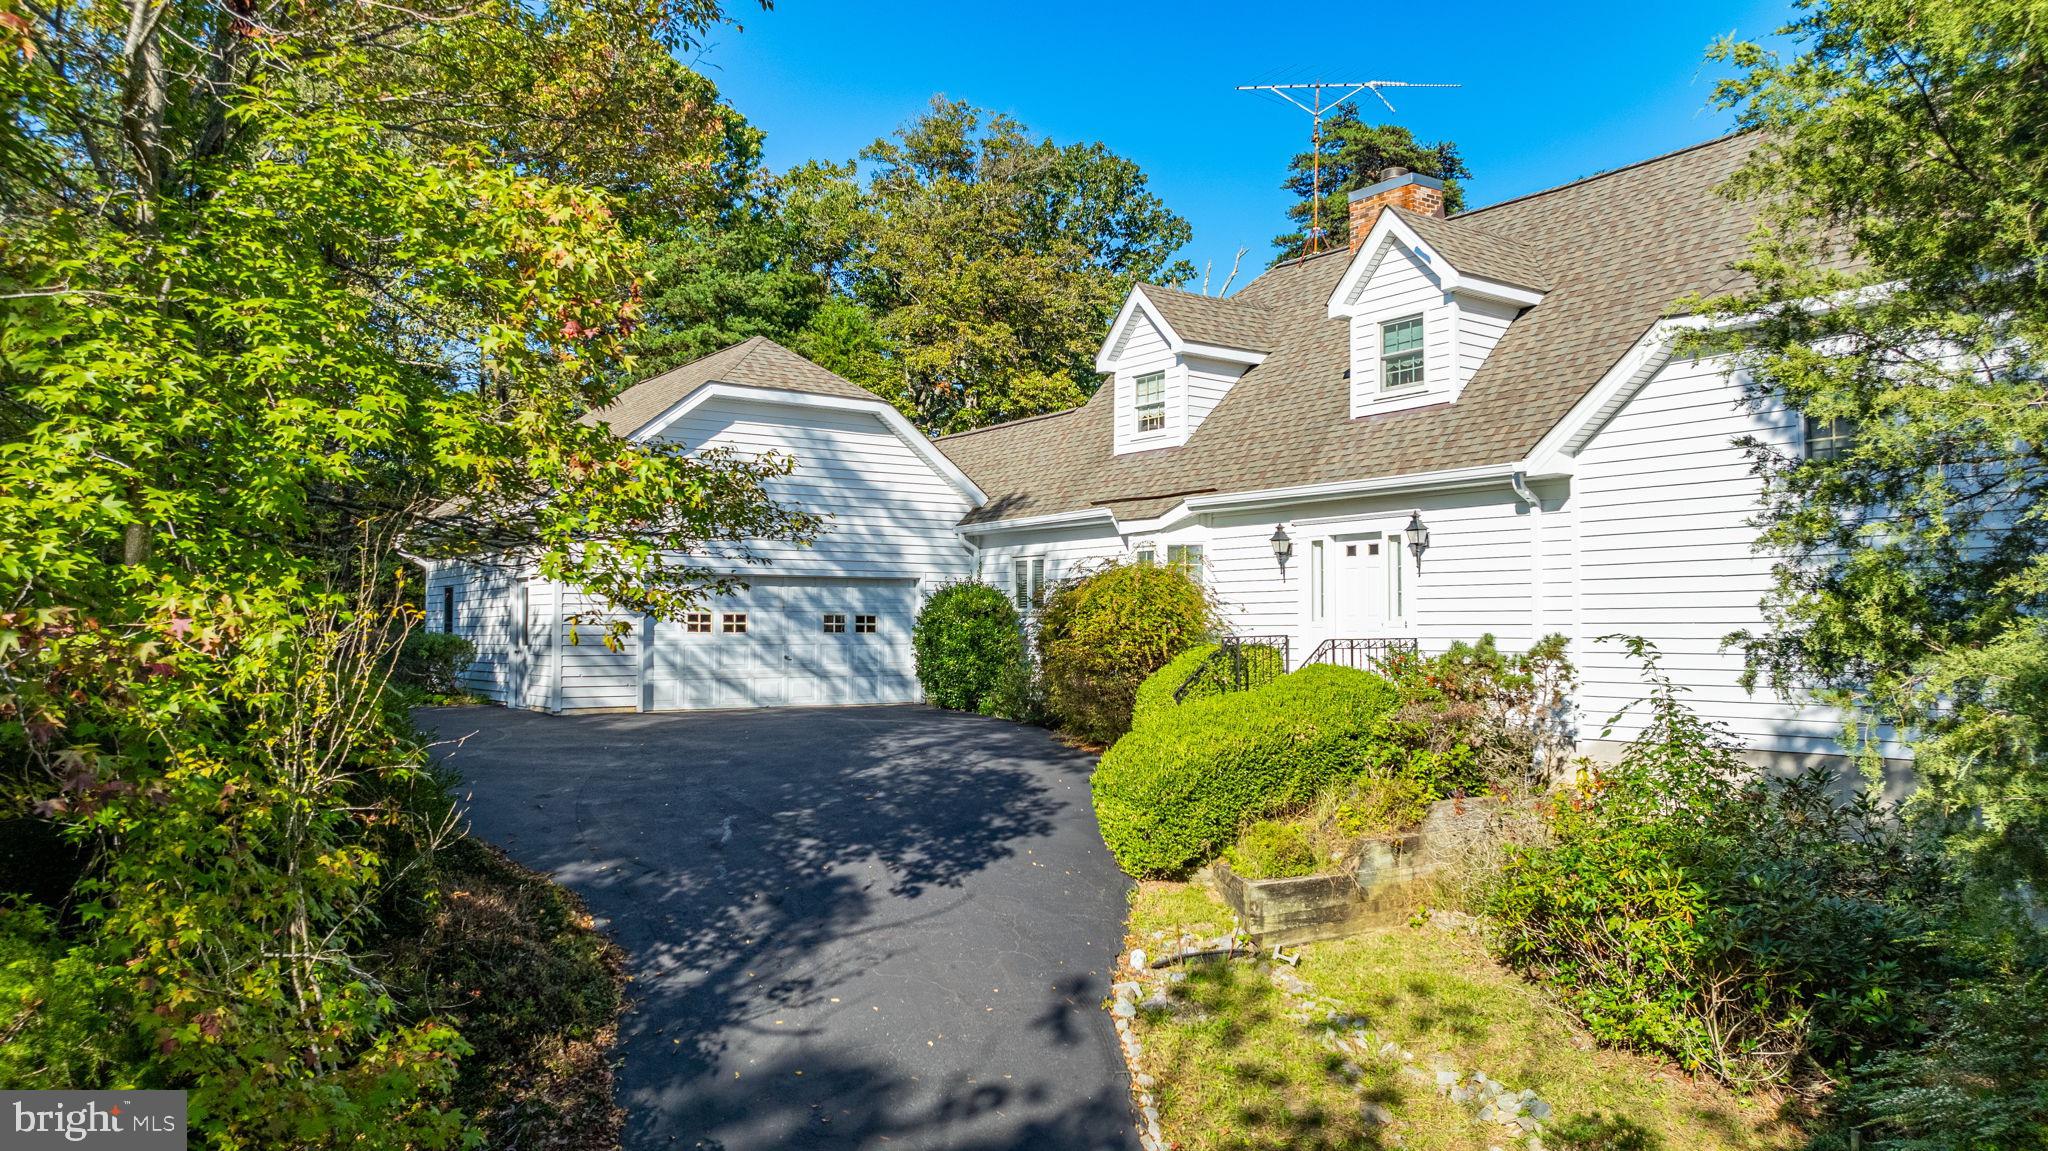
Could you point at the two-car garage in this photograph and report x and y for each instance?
(817, 623)
(779, 644)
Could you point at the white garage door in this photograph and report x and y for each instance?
(774, 645)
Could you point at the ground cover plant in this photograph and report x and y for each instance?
(1237, 1065)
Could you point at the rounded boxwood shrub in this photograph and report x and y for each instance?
(967, 638)
(1174, 792)
(1155, 695)
(1101, 635)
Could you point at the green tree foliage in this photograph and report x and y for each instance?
(1902, 147)
(968, 639)
(282, 279)
(1101, 635)
(989, 260)
(1354, 153)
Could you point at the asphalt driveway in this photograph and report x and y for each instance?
(846, 927)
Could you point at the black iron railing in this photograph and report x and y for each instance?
(1364, 654)
(1240, 662)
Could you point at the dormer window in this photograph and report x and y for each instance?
(1151, 401)
(1401, 354)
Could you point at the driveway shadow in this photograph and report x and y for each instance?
(845, 927)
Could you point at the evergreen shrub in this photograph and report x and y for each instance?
(1171, 795)
(968, 641)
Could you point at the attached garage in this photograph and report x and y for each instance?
(786, 644)
(820, 625)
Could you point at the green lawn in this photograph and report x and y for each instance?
(1237, 1067)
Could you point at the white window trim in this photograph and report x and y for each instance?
(1139, 409)
(1420, 351)
(1401, 586)
(1028, 593)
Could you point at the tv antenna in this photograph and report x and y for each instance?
(1317, 109)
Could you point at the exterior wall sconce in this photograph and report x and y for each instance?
(1283, 548)
(1418, 535)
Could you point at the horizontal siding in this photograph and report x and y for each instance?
(1400, 286)
(1208, 381)
(887, 513)
(1144, 351)
(487, 614)
(1666, 504)
(593, 675)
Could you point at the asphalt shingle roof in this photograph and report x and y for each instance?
(758, 363)
(1613, 251)
(1222, 321)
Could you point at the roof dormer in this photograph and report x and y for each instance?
(1427, 300)
(1171, 357)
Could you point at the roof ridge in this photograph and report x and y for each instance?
(1011, 423)
(1658, 159)
(1201, 295)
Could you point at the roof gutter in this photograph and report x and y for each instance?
(1480, 476)
(1049, 520)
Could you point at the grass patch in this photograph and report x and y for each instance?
(1238, 1068)
(515, 962)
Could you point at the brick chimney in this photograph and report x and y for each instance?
(1400, 188)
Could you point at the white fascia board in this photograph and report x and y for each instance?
(1134, 302)
(1138, 302)
(1416, 481)
(1049, 520)
(1456, 281)
(1368, 259)
(880, 409)
(1553, 453)
(1218, 352)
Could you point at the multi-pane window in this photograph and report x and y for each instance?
(734, 623)
(1151, 401)
(1186, 558)
(1401, 353)
(1027, 582)
(1829, 439)
(863, 625)
(835, 622)
(1146, 554)
(1318, 581)
(699, 621)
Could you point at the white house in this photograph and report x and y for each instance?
(1503, 380)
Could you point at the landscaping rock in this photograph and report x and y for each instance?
(1376, 1115)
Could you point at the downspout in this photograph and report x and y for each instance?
(1519, 481)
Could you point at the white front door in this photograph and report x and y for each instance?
(1358, 586)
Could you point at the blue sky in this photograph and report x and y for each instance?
(1551, 92)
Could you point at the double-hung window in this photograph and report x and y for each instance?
(1829, 439)
(1401, 354)
(1027, 582)
(1151, 402)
